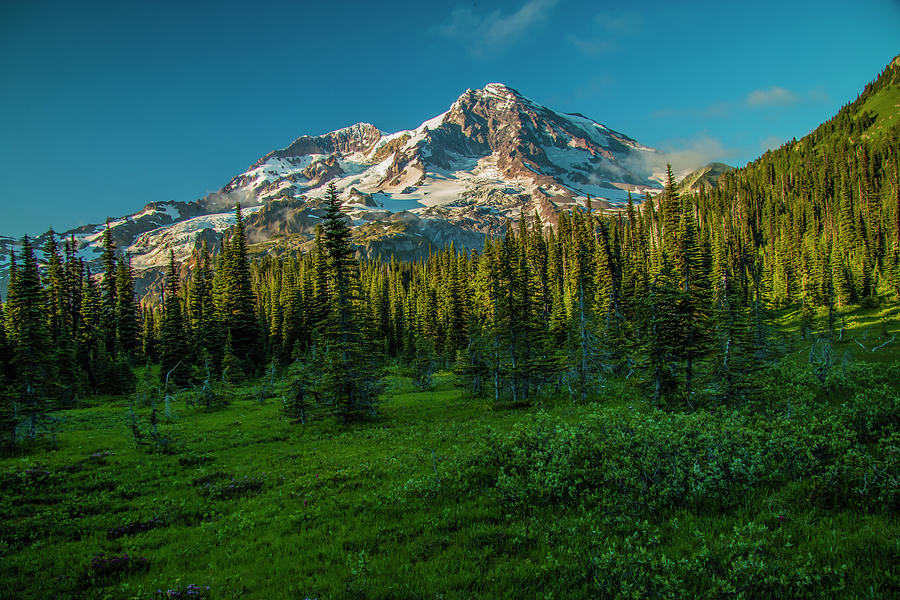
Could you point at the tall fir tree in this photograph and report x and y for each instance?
(55, 290)
(35, 381)
(662, 336)
(8, 417)
(236, 304)
(349, 376)
(91, 350)
(694, 297)
(127, 326)
(109, 290)
(59, 322)
(207, 338)
(173, 343)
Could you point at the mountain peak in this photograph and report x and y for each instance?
(490, 93)
(499, 88)
(493, 155)
(362, 128)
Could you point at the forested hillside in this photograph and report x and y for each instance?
(693, 351)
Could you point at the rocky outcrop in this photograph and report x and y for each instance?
(322, 171)
(356, 138)
(358, 198)
(705, 176)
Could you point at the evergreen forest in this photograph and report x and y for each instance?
(695, 395)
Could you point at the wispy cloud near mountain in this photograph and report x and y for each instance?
(766, 98)
(773, 96)
(613, 28)
(481, 34)
(686, 154)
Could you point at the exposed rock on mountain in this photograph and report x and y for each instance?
(493, 155)
(707, 175)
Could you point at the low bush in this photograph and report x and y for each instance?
(105, 566)
(232, 488)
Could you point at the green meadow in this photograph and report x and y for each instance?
(794, 495)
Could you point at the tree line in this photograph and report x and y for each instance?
(674, 292)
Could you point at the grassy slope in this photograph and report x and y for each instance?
(324, 513)
(864, 330)
(886, 106)
(341, 512)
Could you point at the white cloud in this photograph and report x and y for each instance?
(591, 46)
(770, 143)
(685, 155)
(818, 95)
(615, 27)
(483, 34)
(627, 22)
(694, 153)
(773, 96)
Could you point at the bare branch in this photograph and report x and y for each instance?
(884, 344)
(170, 372)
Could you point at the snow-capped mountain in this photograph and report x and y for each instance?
(492, 139)
(493, 155)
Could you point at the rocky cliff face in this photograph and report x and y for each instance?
(493, 155)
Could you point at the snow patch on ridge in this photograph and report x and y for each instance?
(465, 167)
(151, 249)
(433, 123)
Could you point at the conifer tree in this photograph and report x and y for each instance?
(148, 332)
(11, 293)
(453, 303)
(349, 377)
(662, 335)
(293, 315)
(127, 328)
(735, 362)
(670, 211)
(55, 291)
(60, 322)
(398, 316)
(694, 296)
(232, 367)
(5, 352)
(840, 276)
(508, 314)
(631, 260)
(74, 290)
(91, 350)
(31, 344)
(556, 274)
(173, 355)
(109, 290)
(8, 418)
(319, 306)
(207, 339)
(584, 355)
(236, 301)
(473, 363)
(422, 362)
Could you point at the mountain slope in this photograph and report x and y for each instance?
(873, 117)
(707, 175)
(493, 155)
(487, 136)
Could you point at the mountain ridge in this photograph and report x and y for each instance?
(493, 155)
(393, 220)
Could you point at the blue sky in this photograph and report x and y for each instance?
(105, 106)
